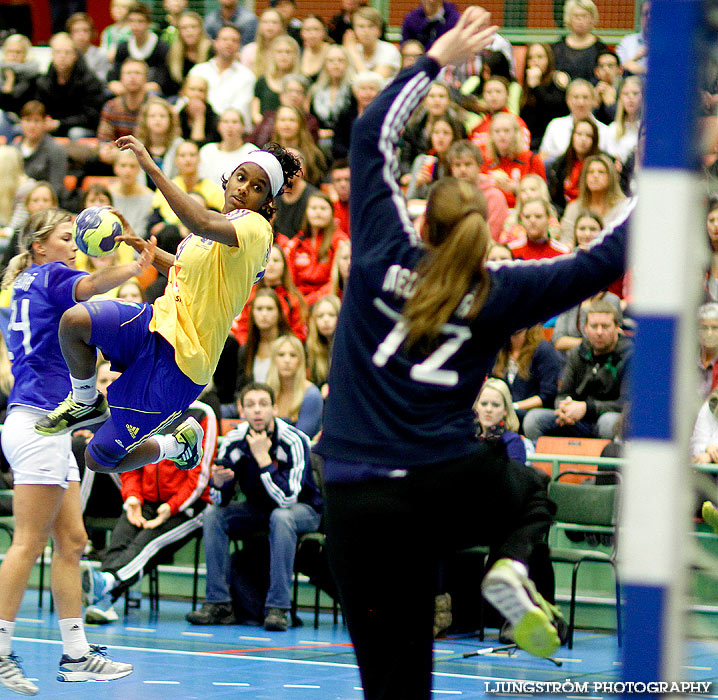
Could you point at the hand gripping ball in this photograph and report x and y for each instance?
(95, 229)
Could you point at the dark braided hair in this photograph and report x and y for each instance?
(291, 166)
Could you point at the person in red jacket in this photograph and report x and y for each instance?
(537, 244)
(278, 277)
(160, 501)
(311, 252)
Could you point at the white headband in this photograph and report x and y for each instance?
(270, 165)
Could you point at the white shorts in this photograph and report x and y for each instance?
(33, 458)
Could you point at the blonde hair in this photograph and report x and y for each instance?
(370, 14)
(142, 131)
(11, 175)
(299, 386)
(271, 69)
(261, 57)
(337, 283)
(620, 109)
(614, 194)
(511, 420)
(323, 80)
(458, 238)
(516, 145)
(6, 378)
(318, 347)
(19, 39)
(38, 229)
(572, 5)
(178, 48)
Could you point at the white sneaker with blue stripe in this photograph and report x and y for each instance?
(94, 666)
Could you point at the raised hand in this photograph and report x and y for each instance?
(471, 33)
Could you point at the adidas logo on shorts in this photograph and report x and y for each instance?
(132, 430)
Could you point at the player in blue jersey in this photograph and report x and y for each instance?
(406, 480)
(168, 351)
(46, 493)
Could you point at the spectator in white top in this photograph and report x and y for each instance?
(216, 159)
(366, 51)
(633, 48)
(580, 98)
(230, 83)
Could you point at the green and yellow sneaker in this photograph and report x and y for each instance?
(535, 622)
(189, 433)
(71, 415)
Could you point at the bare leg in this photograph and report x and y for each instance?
(74, 333)
(69, 537)
(35, 507)
(146, 453)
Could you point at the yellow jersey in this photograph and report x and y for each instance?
(208, 286)
(212, 193)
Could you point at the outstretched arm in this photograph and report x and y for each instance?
(203, 222)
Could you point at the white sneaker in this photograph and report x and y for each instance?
(13, 677)
(95, 584)
(95, 615)
(94, 666)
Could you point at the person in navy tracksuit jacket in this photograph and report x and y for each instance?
(405, 477)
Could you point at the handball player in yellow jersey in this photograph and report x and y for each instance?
(167, 352)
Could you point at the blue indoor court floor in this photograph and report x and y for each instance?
(175, 660)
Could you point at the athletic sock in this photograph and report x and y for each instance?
(84, 390)
(74, 642)
(6, 631)
(169, 447)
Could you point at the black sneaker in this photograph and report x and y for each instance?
(71, 415)
(212, 614)
(276, 620)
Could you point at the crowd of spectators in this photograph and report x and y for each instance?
(550, 142)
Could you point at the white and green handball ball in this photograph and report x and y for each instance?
(95, 229)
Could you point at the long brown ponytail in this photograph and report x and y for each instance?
(458, 236)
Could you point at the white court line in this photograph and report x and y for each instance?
(197, 634)
(314, 641)
(233, 685)
(140, 629)
(297, 685)
(27, 619)
(699, 668)
(257, 639)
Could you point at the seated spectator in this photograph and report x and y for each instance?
(593, 387)
(416, 137)
(342, 22)
(494, 64)
(230, 83)
(132, 199)
(277, 277)
(411, 51)
(580, 98)
(531, 368)
(366, 85)
(17, 73)
(268, 460)
(299, 402)
(323, 318)
(162, 507)
(120, 114)
(310, 253)
(217, 159)
(293, 95)
(465, 161)
(507, 160)
(158, 128)
(607, 72)
(496, 419)
(598, 191)
(81, 29)
(710, 283)
(704, 439)
(331, 94)
(231, 13)
(291, 205)
(707, 348)
(255, 55)
(292, 24)
(43, 157)
(314, 47)
(267, 323)
(167, 23)
(190, 46)
(565, 171)
(197, 119)
(430, 166)
(535, 217)
(531, 186)
(118, 31)
(72, 94)
(496, 252)
(622, 135)
(14, 188)
(144, 45)
(495, 101)
(428, 21)
(632, 50)
(340, 180)
(543, 97)
(283, 60)
(188, 180)
(576, 52)
(340, 271)
(131, 291)
(365, 48)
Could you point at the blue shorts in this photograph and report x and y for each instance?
(152, 391)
